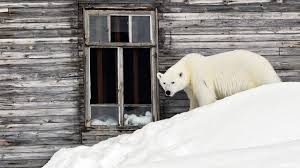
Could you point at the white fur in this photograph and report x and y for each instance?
(207, 79)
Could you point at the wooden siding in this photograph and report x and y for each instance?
(42, 65)
(41, 80)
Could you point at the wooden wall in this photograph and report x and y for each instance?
(41, 62)
(41, 80)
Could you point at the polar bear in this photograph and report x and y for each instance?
(207, 79)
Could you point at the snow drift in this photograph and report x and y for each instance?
(256, 128)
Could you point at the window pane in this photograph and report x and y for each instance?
(103, 70)
(136, 116)
(98, 29)
(137, 78)
(140, 28)
(119, 29)
(104, 115)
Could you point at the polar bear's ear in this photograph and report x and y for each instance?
(180, 74)
(159, 75)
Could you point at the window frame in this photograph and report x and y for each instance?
(152, 45)
(153, 22)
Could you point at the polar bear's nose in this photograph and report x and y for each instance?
(168, 93)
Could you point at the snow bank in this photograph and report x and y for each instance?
(255, 128)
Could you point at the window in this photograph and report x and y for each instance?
(121, 53)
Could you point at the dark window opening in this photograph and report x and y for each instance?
(103, 73)
(119, 29)
(137, 76)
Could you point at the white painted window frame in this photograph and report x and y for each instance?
(120, 45)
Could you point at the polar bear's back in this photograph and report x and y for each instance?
(237, 70)
(240, 70)
(245, 61)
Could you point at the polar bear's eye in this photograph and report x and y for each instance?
(173, 82)
(164, 83)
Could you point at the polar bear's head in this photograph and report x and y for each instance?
(174, 79)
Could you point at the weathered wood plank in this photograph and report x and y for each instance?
(40, 119)
(231, 38)
(105, 132)
(42, 126)
(202, 8)
(33, 136)
(174, 110)
(211, 51)
(175, 103)
(229, 2)
(186, 30)
(34, 19)
(71, 11)
(121, 1)
(40, 61)
(25, 156)
(220, 2)
(68, 47)
(62, 82)
(34, 163)
(39, 33)
(236, 45)
(64, 140)
(60, 40)
(229, 23)
(36, 26)
(40, 105)
(40, 4)
(42, 112)
(289, 51)
(230, 16)
(215, 2)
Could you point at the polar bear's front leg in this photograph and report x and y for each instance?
(192, 98)
(193, 103)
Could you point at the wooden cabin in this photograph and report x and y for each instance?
(73, 72)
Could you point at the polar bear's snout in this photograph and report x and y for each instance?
(168, 93)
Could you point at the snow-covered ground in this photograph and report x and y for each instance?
(257, 128)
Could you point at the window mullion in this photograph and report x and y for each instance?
(154, 88)
(88, 115)
(130, 28)
(120, 86)
(109, 28)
